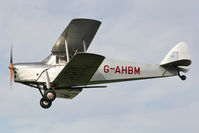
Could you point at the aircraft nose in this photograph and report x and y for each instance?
(15, 69)
(13, 66)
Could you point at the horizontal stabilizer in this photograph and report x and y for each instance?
(179, 57)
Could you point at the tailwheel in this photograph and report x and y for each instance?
(45, 103)
(49, 95)
(183, 77)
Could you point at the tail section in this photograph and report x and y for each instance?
(179, 57)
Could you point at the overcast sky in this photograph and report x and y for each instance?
(134, 30)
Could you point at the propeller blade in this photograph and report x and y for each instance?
(11, 67)
(11, 55)
(11, 74)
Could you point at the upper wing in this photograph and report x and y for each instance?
(79, 70)
(76, 32)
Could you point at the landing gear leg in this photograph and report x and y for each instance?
(183, 77)
(48, 95)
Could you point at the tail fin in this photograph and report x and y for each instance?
(179, 57)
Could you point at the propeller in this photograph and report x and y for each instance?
(11, 67)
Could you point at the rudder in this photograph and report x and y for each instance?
(179, 56)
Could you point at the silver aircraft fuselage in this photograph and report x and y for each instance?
(109, 71)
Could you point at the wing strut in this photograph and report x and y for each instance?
(84, 46)
(67, 53)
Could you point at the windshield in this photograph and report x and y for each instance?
(47, 59)
(55, 60)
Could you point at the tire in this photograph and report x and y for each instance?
(49, 95)
(45, 104)
(183, 77)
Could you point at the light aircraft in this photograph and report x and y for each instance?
(70, 68)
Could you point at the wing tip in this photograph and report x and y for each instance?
(87, 19)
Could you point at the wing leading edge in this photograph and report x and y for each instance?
(79, 70)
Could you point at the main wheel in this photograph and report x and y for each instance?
(49, 95)
(45, 104)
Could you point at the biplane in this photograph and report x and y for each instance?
(70, 68)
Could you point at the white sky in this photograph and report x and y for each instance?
(137, 30)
